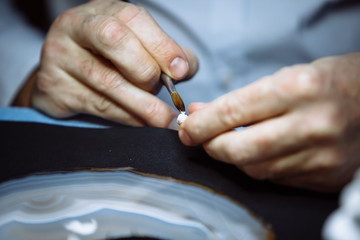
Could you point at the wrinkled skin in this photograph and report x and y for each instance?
(303, 125)
(105, 58)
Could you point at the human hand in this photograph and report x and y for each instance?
(303, 125)
(105, 58)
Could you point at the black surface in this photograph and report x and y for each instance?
(30, 147)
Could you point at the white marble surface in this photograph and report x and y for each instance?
(96, 205)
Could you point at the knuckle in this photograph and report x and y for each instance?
(53, 106)
(329, 159)
(235, 154)
(48, 98)
(85, 101)
(60, 111)
(262, 145)
(149, 75)
(229, 154)
(160, 44)
(83, 98)
(105, 78)
(129, 12)
(49, 45)
(230, 111)
(51, 49)
(44, 82)
(103, 105)
(153, 110)
(63, 18)
(212, 151)
(87, 67)
(194, 127)
(223, 151)
(326, 124)
(303, 82)
(309, 83)
(111, 33)
(108, 80)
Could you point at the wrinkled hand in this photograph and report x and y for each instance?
(105, 58)
(303, 125)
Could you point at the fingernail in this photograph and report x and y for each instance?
(193, 107)
(185, 138)
(179, 67)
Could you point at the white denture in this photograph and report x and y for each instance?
(181, 118)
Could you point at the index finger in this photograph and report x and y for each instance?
(167, 53)
(131, 39)
(264, 99)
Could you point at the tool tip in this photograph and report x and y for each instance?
(178, 102)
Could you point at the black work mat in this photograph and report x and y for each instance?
(32, 147)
